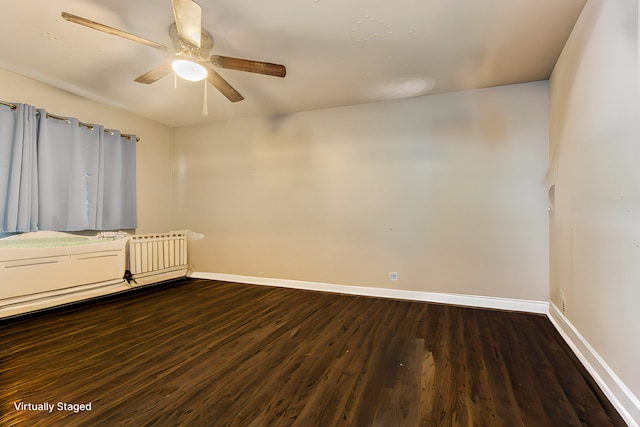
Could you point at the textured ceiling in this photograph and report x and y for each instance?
(337, 52)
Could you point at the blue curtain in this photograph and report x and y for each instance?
(85, 177)
(117, 209)
(67, 161)
(18, 169)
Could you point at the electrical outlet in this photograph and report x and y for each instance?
(393, 275)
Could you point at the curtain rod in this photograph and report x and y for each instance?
(10, 105)
(53, 116)
(67, 121)
(126, 135)
(109, 131)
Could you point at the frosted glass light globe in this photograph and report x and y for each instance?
(189, 70)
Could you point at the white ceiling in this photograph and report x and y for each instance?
(337, 52)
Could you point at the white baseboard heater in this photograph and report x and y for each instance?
(154, 258)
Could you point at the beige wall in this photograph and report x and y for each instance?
(446, 190)
(153, 151)
(595, 151)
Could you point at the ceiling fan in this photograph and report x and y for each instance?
(192, 44)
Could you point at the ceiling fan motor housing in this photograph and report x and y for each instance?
(188, 50)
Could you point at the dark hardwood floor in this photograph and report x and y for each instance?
(205, 353)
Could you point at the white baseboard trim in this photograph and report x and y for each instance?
(616, 391)
(443, 298)
(25, 304)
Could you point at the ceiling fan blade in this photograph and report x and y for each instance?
(188, 16)
(113, 31)
(155, 74)
(258, 67)
(221, 84)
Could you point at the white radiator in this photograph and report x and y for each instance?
(153, 258)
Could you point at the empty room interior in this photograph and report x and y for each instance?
(428, 179)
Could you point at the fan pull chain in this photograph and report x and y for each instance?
(205, 111)
(175, 80)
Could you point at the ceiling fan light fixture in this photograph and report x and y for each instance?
(189, 70)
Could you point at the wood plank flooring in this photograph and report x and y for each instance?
(207, 353)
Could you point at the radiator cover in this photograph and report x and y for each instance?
(157, 257)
